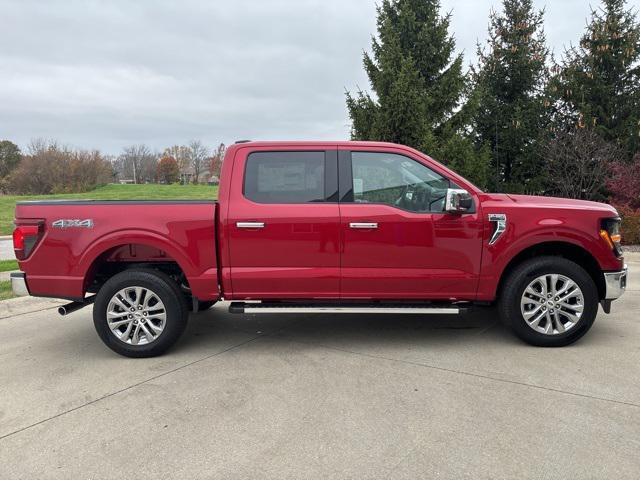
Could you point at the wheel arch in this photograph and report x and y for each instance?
(114, 254)
(567, 250)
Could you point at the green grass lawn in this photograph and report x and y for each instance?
(111, 192)
(8, 265)
(5, 290)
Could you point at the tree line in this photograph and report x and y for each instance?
(48, 167)
(518, 120)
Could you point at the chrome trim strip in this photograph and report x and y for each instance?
(363, 225)
(500, 220)
(250, 224)
(616, 283)
(19, 284)
(419, 310)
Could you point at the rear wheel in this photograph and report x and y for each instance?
(140, 313)
(549, 301)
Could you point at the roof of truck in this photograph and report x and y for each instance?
(345, 143)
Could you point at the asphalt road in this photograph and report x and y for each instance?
(320, 397)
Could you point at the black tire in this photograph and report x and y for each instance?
(518, 280)
(177, 312)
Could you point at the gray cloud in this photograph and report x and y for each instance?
(105, 74)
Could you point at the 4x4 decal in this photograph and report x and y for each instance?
(72, 223)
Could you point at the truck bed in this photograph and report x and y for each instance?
(75, 236)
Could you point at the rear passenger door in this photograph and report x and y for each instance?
(283, 224)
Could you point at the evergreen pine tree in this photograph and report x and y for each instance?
(598, 82)
(509, 83)
(419, 88)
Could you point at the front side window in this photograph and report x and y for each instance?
(398, 181)
(285, 177)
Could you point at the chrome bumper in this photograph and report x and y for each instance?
(616, 283)
(19, 284)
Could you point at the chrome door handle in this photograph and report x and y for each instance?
(363, 225)
(250, 224)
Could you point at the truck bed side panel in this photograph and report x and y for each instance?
(180, 231)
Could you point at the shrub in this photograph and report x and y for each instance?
(168, 171)
(53, 169)
(624, 183)
(630, 225)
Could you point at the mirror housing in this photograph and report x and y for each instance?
(458, 201)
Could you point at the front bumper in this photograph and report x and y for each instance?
(19, 284)
(616, 283)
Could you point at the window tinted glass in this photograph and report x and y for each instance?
(397, 180)
(285, 177)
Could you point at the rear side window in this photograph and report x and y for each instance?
(285, 177)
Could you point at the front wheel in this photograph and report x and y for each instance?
(549, 301)
(140, 313)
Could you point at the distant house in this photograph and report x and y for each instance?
(187, 174)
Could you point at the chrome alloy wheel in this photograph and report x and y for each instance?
(552, 304)
(136, 315)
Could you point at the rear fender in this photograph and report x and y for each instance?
(202, 281)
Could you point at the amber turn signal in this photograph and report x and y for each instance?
(607, 238)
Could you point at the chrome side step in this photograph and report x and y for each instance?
(424, 309)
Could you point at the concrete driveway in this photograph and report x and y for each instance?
(6, 248)
(321, 397)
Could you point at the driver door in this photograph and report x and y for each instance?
(397, 242)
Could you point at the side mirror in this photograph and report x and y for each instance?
(458, 201)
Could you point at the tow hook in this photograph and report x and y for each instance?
(73, 306)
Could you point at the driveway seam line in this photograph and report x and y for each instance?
(142, 382)
(32, 311)
(470, 374)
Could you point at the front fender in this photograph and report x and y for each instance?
(497, 257)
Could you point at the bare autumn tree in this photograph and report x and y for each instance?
(215, 162)
(181, 155)
(197, 158)
(577, 162)
(138, 163)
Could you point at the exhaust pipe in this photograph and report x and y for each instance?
(73, 306)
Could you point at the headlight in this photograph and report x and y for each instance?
(610, 233)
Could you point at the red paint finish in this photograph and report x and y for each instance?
(59, 264)
(410, 255)
(295, 255)
(535, 220)
(308, 251)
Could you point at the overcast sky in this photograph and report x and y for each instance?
(106, 74)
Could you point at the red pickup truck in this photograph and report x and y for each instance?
(301, 227)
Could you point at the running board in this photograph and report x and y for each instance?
(421, 309)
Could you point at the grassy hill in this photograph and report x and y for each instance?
(110, 192)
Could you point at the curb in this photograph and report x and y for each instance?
(4, 276)
(6, 237)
